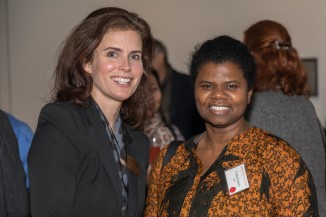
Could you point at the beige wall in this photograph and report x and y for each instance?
(37, 27)
(4, 71)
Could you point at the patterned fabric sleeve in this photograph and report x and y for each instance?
(152, 200)
(291, 189)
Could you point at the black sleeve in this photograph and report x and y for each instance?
(14, 199)
(52, 164)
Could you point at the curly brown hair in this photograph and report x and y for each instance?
(73, 84)
(278, 63)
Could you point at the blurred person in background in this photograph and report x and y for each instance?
(158, 130)
(24, 135)
(281, 102)
(14, 198)
(178, 102)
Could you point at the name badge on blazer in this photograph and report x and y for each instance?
(236, 179)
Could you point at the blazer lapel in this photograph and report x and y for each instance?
(104, 149)
(132, 178)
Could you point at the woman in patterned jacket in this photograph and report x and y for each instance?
(232, 169)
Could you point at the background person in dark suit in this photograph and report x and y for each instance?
(178, 104)
(24, 135)
(86, 158)
(14, 201)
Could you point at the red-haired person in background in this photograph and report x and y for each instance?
(281, 102)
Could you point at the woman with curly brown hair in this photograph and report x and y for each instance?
(281, 102)
(87, 158)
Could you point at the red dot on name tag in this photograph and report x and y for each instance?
(233, 189)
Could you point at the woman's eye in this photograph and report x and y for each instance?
(112, 54)
(232, 86)
(135, 57)
(206, 86)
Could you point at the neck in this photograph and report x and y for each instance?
(111, 116)
(110, 109)
(219, 138)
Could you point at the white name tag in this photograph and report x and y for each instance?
(236, 179)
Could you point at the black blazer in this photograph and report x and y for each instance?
(14, 200)
(72, 169)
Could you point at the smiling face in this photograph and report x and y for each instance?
(116, 67)
(221, 94)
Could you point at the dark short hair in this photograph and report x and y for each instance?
(224, 49)
(73, 84)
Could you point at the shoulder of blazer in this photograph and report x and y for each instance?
(64, 116)
(59, 111)
(12, 176)
(139, 139)
(6, 132)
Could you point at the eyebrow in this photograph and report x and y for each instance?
(213, 81)
(113, 48)
(119, 49)
(233, 81)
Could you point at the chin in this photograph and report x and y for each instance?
(121, 98)
(218, 124)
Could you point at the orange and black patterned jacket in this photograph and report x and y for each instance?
(280, 182)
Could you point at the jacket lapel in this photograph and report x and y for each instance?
(132, 178)
(103, 148)
(132, 195)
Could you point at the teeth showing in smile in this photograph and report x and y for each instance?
(219, 108)
(121, 80)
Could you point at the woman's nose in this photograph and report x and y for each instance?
(219, 93)
(124, 64)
